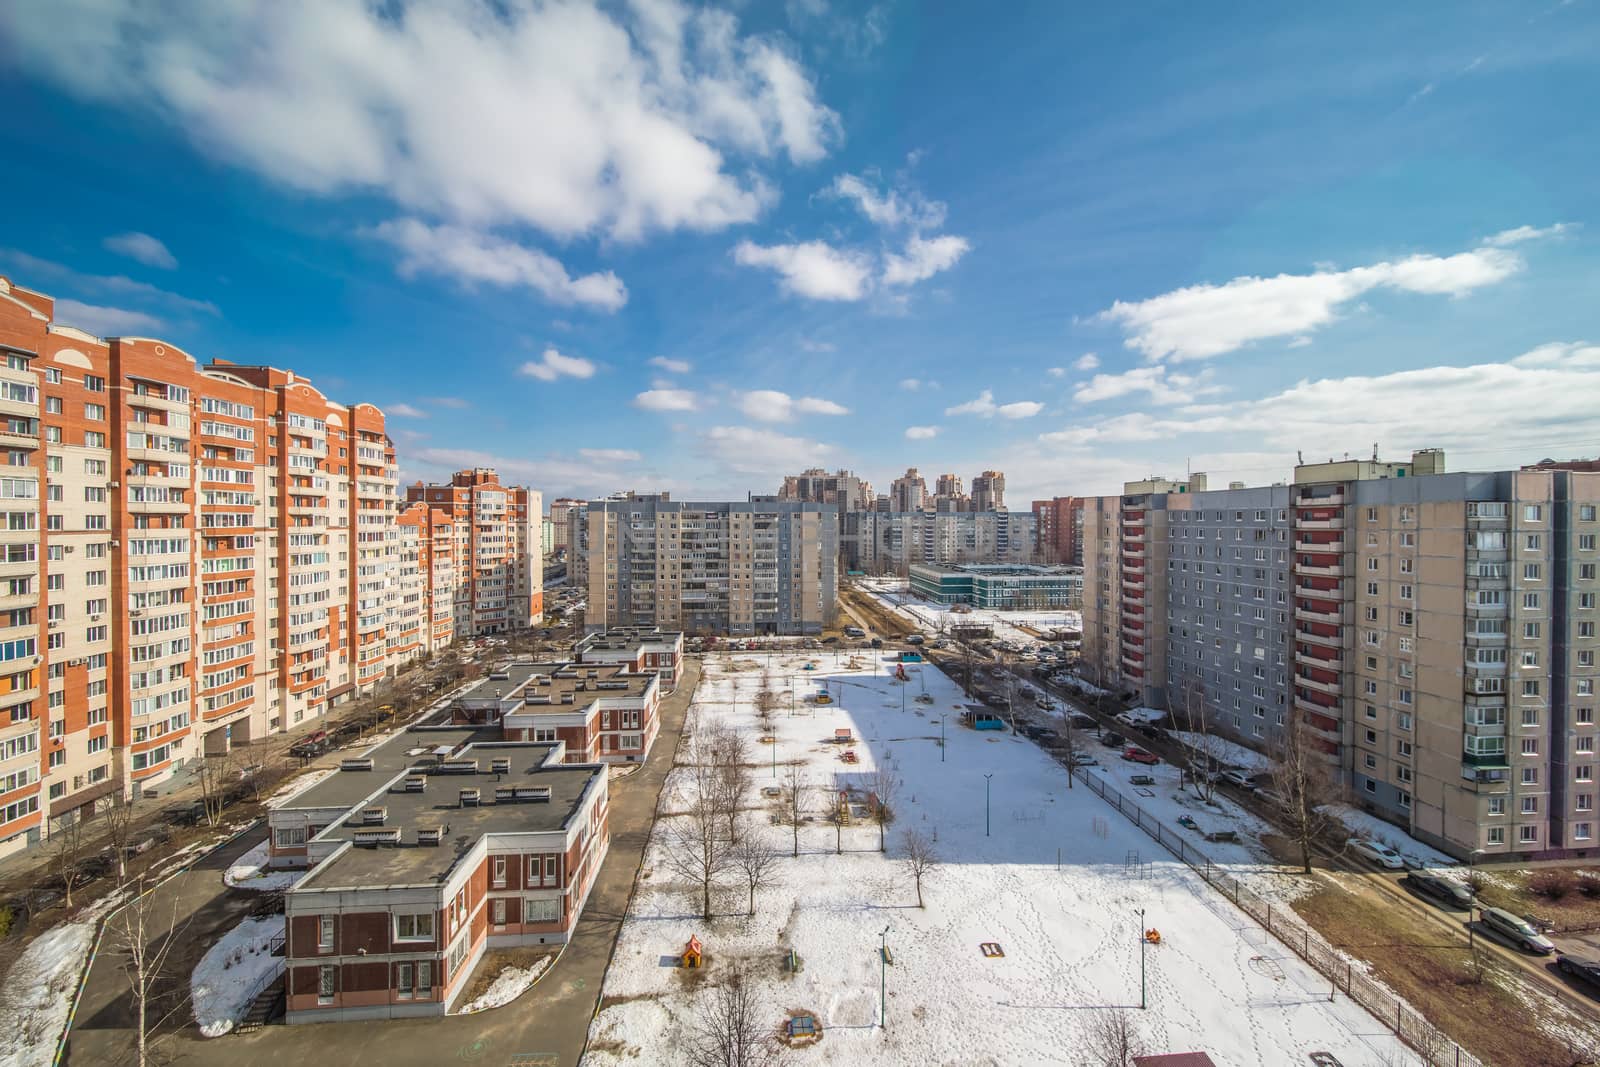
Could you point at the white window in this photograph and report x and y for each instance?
(541, 910)
(402, 979)
(325, 983)
(290, 836)
(414, 927)
(497, 911)
(1580, 831)
(1495, 835)
(499, 870)
(1497, 805)
(1528, 835)
(325, 934)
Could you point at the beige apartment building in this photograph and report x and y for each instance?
(1435, 631)
(736, 568)
(496, 563)
(195, 557)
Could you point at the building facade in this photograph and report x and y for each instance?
(1434, 632)
(745, 568)
(497, 566)
(559, 509)
(989, 491)
(196, 556)
(1059, 522)
(816, 486)
(1007, 587)
(909, 492)
(890, 542)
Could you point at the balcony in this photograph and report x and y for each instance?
(1486, 780)
(11, 439)
(1133, 536)
(1314, 615)
(1334, 499)
(1308, 635)
(1478, 760)
(1487, 522)
(153, 402)
(1485, 611)
(1335, 546)
(1320, 654)
(1319, 570)
(1335, 522)
(1333, 689)
(1306, 703)
(159, 507)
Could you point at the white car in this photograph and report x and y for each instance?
(1381, 854)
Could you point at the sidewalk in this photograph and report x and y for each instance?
(551, 1019)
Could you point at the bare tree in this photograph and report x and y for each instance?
(731, 1027)
(698, 842)
(730, 755)
(920, 856)
(143, 946)
(1301, 777)
(117, 819)
(756, 862)
(884, 783)
(796, 788)
(1069, 745)
(1114, 1038)
(215, 774)
(1198, 753)
(69, 855)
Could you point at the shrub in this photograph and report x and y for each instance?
(1477, 881)
(1589, 885)
(1552, 883)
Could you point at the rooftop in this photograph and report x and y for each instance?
(343, 788)
(1000, 570)
(626, 639)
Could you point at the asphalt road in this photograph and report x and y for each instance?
(548, 1025)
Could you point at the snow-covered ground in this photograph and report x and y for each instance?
(1415, 852)
(894, 594)
(507, 986)
(1070, 933)
(229, 976)
(38, 994)
(250, 871)
(1220, 748)
(295, 785)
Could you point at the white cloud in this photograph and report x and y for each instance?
(760, 454)
(1087, 361)
(809, 345)
(1057, 372)
(890, 208)
(556, 474)
(1202, 321)
(672, 366)
(102, 286)
(985, 406)
(911, 385)
(1162, 386)
(142, 247)
(106, 321)
(552, 365)
(1506, 238)
(404, 411)
(923, 258)
(813, 269)
(610, 455)
(1300, 342)
(667, 400)
(470, 256)
(921, 433)
(769, 405)
(570, 118)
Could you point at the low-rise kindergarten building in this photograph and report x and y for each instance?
(638, 648)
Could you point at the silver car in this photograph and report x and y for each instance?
(1518, 931)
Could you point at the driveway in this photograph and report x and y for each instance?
(547, 1026)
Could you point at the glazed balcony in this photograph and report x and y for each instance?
(1333, 688)
(1319, 570)
(1336, 546)
(1331, 500)
(1334, 522)
(153, 402)
(13, 439)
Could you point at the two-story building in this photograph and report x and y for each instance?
(640, 649)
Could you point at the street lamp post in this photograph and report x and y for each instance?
(1143, 941)
(941, 739)
(883, 977)
(986, 803)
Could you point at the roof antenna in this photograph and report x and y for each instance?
(1374, 451)
(1299, 458)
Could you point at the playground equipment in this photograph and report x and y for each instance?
(900, 674)
(849, 756)
(844, 807)
(824, 698)
(843, 736)
(691, 955)
(1152, 936)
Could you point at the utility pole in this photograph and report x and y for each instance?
(986, 803)
(1143, 941)
(883, 978)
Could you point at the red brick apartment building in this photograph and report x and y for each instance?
(599, 713)
(640, 649)
(1059, 523)
(497, 581)
(191, 557)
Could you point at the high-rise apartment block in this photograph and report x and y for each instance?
(742, 568)
(816, 486)
(890, 542)
(497, 567)
(194, 557)
(909, 492)
(1059, 522)
(1435, 633)
(989, 491)
(559, 509)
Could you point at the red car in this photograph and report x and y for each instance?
(1139, 755)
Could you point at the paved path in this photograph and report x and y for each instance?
(552, 1019)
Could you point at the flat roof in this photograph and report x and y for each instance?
(1000, 570)
(438, 807)
(341, 789)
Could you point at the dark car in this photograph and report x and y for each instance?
(1084, 722)
(877, 642)
(1440, 890)
(915, 639)
(1580, 967)
(1112, 740)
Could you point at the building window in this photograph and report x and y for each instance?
(1580, 831)
(1528, 835)
(499, 871)
(1533, 513)
(1497, 806)
(1495, 835)
(414, 927)
(402, 979)
(1583, 772)
(325, 984)
(1530, 805)
(541, 910)
(424, 978)
(290, 836)
(325, 934)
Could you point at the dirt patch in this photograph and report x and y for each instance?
(625, 998)
(496, 960)
(1470, 1000)
(615, 1047)
(1509, 889)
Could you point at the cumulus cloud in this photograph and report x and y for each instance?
(471, 257)
(912, 385)
(985, 406)
(923, 258)
(667, 400)
(1057, 372)
(888, 208)
(1162, 386)
(921, 433)
(813, 269)
(610, 455)
(405, 411)
(770, 405)
(672, 366)
(552, 365)
(143, 248)
(106, 321)
(1087, 361)
(1202, 321)
(751, 451)
(620, 119)
(1521, 234)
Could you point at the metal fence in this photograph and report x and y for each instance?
(1432, 1044)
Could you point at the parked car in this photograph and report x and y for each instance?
(1083, 722)
(1517, 930)
(1084, 759)
(915, 639)
(854, 631)
(877, 642)
(1136, 754)
(1377, 852)
(1239, 779)
(1580, 967)
(1273, 799)
(1112, 739)
(1441, 890)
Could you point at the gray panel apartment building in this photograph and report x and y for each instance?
(736, 568)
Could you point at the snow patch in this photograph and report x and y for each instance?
(250, 872)
(1416, 854)
(38, 994)
(228, 978)
(507, 986)
(292, 789)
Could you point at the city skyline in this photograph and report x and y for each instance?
(1302, 239)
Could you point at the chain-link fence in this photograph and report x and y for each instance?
(1432, 1044)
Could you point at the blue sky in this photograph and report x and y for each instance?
(648, 245)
